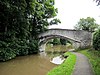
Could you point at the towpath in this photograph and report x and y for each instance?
(82, 67)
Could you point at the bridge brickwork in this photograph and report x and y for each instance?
(79, 38)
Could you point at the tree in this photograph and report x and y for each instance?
(22, 18)
(20, 23)
(96, 35)
(56, 41)
(63, 41)
(98, 2)
(41, 11)
(88, 24)
(96, 40)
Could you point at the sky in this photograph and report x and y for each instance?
(70, 11)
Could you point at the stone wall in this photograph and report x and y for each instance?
(80, 38)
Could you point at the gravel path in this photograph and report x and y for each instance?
(82, 67)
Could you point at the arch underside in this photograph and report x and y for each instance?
(43, 40)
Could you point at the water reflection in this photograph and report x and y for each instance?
(57, 48)
(58, 60)
(30, 65)
(26, 65)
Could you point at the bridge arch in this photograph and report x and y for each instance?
(79, 38)
(42, 43)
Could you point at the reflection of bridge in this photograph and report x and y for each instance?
(79, 38)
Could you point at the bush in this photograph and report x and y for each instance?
(56, 41)
(17, 48)
(21, 47)
(96, 40)
(63, 41)
(6, 54)
(33, 47)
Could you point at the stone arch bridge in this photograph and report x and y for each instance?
(79, 38)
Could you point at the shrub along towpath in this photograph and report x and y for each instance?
(82, 67)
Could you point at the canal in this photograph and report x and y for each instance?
(38, 64)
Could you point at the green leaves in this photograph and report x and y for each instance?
(88, 24)
(55, 21)
(22, 20)
(96, 40)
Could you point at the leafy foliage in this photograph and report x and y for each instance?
(20, 23)
(56, 41)
(88, 24)
(96, 40)
(63, 41)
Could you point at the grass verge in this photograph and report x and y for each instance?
(94, 58)
(65, 68)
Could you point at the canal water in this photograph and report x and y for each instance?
(38, 64)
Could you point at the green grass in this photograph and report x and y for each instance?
(94, 58)
(65, 68)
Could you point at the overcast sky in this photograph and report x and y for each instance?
(70, 11)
